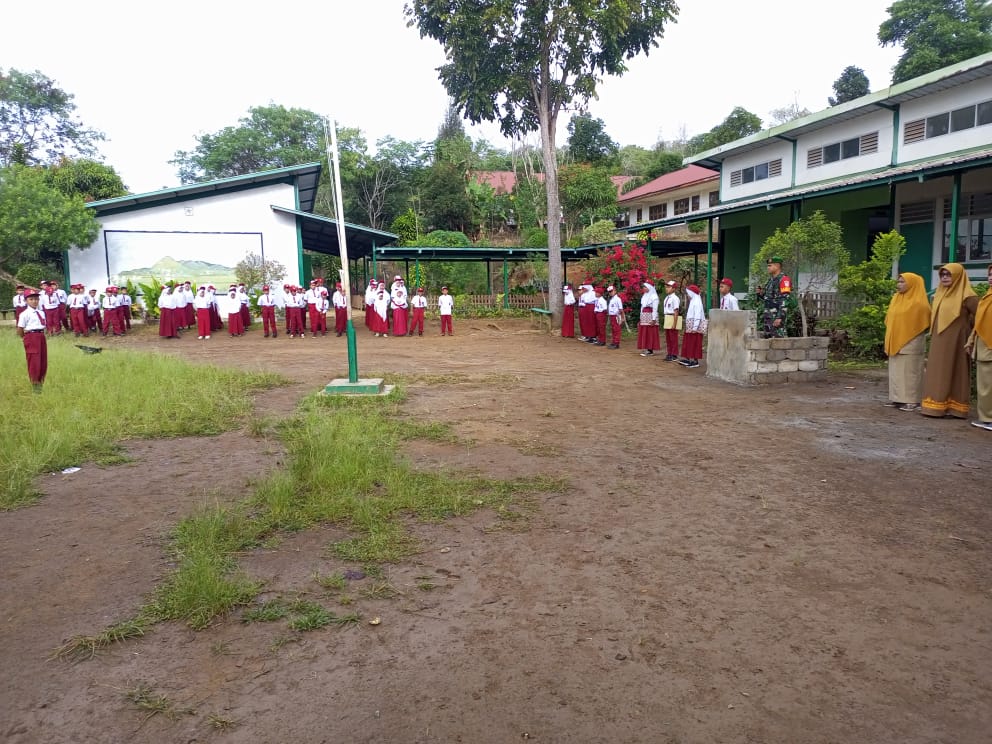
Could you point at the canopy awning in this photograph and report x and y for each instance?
(320, 234)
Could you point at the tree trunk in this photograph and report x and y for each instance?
(550, 157)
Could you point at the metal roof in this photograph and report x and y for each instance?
(887, 98)
(517, 253)
(306, 178)
(320, 234)
(907, 172)
(690, 175)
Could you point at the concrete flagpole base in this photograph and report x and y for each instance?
(370, 386)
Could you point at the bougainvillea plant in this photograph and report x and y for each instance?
(626, 266)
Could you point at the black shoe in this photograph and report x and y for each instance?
(647, 353)
(684, 362)
(599, 343)
(613, 346)
(693, 363)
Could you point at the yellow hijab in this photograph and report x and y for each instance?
(908, 315)
(947, 301)
(983, 318)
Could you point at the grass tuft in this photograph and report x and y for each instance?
(145, 698)
(267, 612)
(334, 581)
(85, 647)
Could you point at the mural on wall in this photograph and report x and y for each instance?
(201, 258)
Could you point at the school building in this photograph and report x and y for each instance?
(916, 157)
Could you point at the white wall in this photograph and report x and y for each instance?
(974, 92)
(880, 121)
(670, 197)
(773, 151)
(247, 211)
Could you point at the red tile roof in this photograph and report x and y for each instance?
(688, 176)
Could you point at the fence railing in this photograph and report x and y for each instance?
(830, 304)
(464, 302)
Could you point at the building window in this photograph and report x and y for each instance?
(714, 198)
(640, 213)
(968, 117)
(974, 229)
(658, 211)
(695, 203)
(759, 172)
(849, 148)
(681, 206)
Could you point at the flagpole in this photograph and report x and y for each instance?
(332, 153)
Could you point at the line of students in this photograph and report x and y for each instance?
(394, 309)
(79, 312)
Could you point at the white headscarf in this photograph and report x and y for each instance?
(695, 315)
(569, 297)
(649, 300)
(381, 303)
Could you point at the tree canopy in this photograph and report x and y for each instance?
(739, 123)
(852, 83)
(86, 178)
(935, 33)
(521, 62)
(588, 141)
(36, 121)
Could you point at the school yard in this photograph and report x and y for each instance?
(792, 564)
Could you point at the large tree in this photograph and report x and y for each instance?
(852, 83)
(935, 33)
(37, 221)
(739, 123)
(588, 141)
(36, 121)
(587, 195)
(86, 178)
(520, 62)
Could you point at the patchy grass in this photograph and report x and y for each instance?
(85, 647)
(333, 582)
(855, 365)
(220, 723)
(83, 395)
(144, 698)
(380, 590)
(310, 616)
(267, 612)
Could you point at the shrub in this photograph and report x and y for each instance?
(625, 267)
(444, 239)
(535, 238)
(603, 231)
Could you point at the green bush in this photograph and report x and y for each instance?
(535, 238)
(444, 239)
(603, 231)
(865, 328)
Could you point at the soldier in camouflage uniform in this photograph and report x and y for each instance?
(774, 293)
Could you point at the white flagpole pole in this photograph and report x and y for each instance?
(332, 153)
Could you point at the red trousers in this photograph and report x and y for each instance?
(340, 320)
(112, 322)
(126, 316)
(203, 321)
(64, 316)
(399, 321)
(601, 326)
(294, 320)
(269, 320)
(17, 314)
(166, 322)
(417, 322)
(95, 321)
(36, 351)
(321, 323)
(179, 317)
(615, 330)
(672, 341)
(245, 317)
(446, 324)
(587, 320)
(312, 313)
(78, 317)
(52, 322)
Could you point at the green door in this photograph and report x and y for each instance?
(919, 250)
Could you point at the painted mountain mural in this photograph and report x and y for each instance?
(167, 268)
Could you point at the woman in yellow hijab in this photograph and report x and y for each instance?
(906, 324)
(947, 382)
(980, 347)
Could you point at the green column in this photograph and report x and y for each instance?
(709, 263)
(375, 273)
(506, 285)
(695, 268)
(352, 351)
(952, 249)
(489, 277)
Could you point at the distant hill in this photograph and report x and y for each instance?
(169, 268)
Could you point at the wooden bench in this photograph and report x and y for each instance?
(540, 316)
(4, 311)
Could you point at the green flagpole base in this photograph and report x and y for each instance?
(370, 386)
(352, 352)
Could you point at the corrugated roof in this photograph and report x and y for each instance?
(688, 176)
(320, 234)
(306, 176)
(946, 77)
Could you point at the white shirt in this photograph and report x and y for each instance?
(672, 303)
(616, 305)
(165, 301)
(179, 299)
(49, 301)
(418, 300)
(110, 302)
(231, 305)
(32, 319)
(126, 299)
(587, 298)
(77, 301)
(201, 302)
(323, 304)
(60, 293)
(312, 295)
(266, 300)
(370, 294)
(399, 297)
(242, 295)
(568, 297)
(339, 299)
(19, 300)
(729, 302)
(94, 304)
(445, 304)
(601, 305)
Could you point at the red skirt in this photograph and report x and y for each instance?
(399, 321)
(568, 322)
(235, 325)
(648, 337)
(692, 345)
(203, 321)
(166, 322)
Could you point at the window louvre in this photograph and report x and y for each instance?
(714, 198)
(695, 203)
(814, 157)
(914, 131)
(916, 212)
(735, 178)
(775, 168)
(658, 211)
(681, 206)
(869, 143)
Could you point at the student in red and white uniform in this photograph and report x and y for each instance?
(201, 304)
(112, 322)
(648, 338)
(401, 306)
(94, 320)
(419, 304)
(311, 296)
(125, 307)
(380, 316)
(340, 303)
(587, 309)
(50, 304)
(568, 312)
(267, 307)
(289, 303)
(231, 305)
(77, 311)
(599, 315)
(31, 327)
(245, 307)
(323, 305)
(397, 281)
(216, 324)
(370, 292)
(615, 312)
(166, 314)
(445, 308)
(63, 319)
(180, 304)
(19, 303)
(671, 312)
(188, 294)
(727, 299)
(695, 327)
(300, 307)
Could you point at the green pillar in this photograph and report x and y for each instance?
(489, 277)
(709, 263)
(695, 268)
(375, 272)
(952, 249)
(506, 285)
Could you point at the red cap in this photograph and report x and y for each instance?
(265, 288)
(693, 288)
(31, 292)
(727, 282)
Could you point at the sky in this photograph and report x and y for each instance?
(153, 76)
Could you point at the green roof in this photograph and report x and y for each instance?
(305, 177)
(320, 234)
(887, 98)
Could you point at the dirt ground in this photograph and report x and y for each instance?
(791, 564)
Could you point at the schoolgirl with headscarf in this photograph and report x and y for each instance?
(648, 338)
(980, 348)
(695, 327)
(947, 381)
(370, 292)
(906, 323)
(380, 317)
(567, 312)
(587, 312)
(166, 314)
